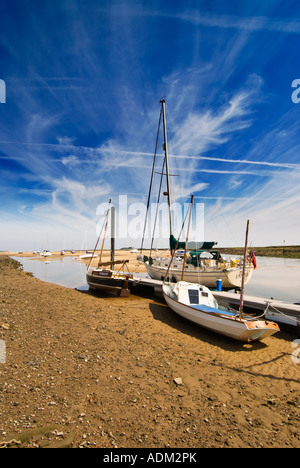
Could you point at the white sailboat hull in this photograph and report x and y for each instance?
(219, 322)
(231, 277)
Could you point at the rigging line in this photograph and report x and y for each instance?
(104, 224)
(220, 212)
(157, 205)
(105, 229)
(175, 248)
(170, 142)
(187, 237)
(174, 159)
(269, 304)
(165, 164)
(151, 179)
(165, 147)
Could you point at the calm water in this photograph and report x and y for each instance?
(274, 277)
(278, 278)
(65, 271)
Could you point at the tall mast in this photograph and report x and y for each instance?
(187, 237)
(243, 276)
(165, 147)
(112, 235)
(105, 222)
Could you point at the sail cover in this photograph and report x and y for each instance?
(174, 244)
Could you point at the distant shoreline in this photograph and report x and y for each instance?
(283, 251)
(280, 251)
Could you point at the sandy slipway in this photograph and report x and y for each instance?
(83, 370)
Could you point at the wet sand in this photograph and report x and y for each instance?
(84, 370)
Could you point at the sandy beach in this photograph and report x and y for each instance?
(85, 370)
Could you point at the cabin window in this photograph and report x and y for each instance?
(194, 296)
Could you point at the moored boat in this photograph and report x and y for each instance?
(201, 270)
(109, 281)
(88, 255)
(197, 304)
(103, 277)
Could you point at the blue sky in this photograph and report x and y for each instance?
(78, 126)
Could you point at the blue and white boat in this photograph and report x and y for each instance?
(197, 304)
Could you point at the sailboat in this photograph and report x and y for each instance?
(103, 277)
(196, 303)
(86, 255)
(204, 263)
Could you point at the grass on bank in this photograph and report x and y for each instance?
(286, 251)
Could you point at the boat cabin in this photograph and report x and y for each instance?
(193, 294)
(204, 257)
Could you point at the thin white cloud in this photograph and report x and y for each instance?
(247, 23)
(203, 131)
(214, 20)
(72, 159)
(271, 209)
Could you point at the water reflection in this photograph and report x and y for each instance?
(65, 271)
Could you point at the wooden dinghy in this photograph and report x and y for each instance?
(116, 283)
(104, 279)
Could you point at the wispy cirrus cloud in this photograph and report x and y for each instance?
(210, 129)
(247, 22)
(271, 209)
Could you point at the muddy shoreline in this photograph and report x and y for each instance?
(84, 370)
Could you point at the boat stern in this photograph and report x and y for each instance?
(258, 330)
(235, 275)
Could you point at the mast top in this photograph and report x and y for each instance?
(165, 147)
